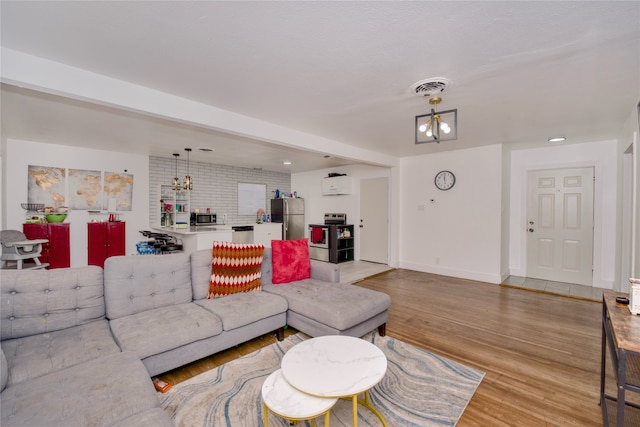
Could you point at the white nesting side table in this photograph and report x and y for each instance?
(287, 402)
(336, 366)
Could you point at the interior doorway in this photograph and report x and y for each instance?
(560, 225)
(374, 220)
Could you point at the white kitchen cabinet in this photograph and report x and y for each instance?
(265, 233)
(336, 185)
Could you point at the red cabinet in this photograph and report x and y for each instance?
(105, 239)
(57, 252)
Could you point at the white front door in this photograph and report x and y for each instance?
(374, 220)
(560, 225)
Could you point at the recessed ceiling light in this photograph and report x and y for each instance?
(557, 139)
(286, 162)
(206, 150)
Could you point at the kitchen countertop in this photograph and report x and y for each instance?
(207, 228)
(195, 230)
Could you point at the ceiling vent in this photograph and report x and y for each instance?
(430, 87)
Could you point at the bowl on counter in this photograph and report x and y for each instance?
(55, 218)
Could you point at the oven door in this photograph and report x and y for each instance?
(318, 236)
(319, 242)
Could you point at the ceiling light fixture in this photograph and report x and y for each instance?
(437, 126)
(557, 139)
(175, 186)
(286, 162)
(188, 183)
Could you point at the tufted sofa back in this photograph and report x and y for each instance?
(137, 283)
(39, 301)
(201, 272)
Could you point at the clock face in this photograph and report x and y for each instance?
(445, 180)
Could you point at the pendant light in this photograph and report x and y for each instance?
(175, 186)
(434, 126)
(188, 183)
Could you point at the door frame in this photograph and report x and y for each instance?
(531, 205)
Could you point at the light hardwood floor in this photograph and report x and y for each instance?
(540, 352)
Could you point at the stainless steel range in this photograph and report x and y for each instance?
(329, 241)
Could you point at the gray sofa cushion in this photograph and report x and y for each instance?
(201, 272)
(37, 355)
(136, 283)
(100, 392)
(35, 302)
(4, 370)
(338, 305)
(323, 271)
(165, 328)
(244, 308)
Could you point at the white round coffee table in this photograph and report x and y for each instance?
(336, 366)
(287, 402)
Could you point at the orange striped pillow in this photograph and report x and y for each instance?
(236, 267)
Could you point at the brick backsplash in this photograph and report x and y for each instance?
(215, 186)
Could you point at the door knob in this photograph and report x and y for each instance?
(531, 230)
(361, 226)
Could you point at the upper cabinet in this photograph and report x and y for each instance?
(336, 185)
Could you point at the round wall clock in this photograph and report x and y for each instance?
(444, 180)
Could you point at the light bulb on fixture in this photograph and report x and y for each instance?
(175, 186)
(188, 183)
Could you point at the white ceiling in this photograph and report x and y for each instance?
(521, 72)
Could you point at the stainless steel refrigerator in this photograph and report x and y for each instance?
(290, 212)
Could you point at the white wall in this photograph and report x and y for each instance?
(20, 154)
(459, 234)
(629, 193)
(309, 186)
(601, 156)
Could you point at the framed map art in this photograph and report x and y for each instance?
(80, 189)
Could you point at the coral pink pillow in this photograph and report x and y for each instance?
(290, 260)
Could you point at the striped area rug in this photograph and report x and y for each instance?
(419, 389)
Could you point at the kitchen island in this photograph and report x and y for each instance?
(202, 237)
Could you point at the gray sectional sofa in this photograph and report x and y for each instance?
(79, 345)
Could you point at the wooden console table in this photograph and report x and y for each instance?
(621, 333)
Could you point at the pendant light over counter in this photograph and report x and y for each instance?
(188, 183)
(175, 186)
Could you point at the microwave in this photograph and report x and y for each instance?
(203, 218)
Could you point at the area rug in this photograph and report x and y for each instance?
(419, 389)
